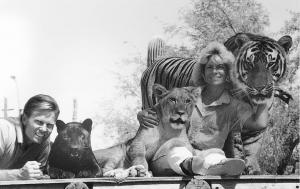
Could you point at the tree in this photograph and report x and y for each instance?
(217, 20)
(281, 141)
(120, 118)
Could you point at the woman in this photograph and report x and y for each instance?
(216, 115)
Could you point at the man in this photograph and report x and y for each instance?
(24, 141)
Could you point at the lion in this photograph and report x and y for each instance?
(260, 63)
(174, 109)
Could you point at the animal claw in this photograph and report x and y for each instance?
(119, 174)
(138, 171)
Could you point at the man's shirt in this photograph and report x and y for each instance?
(14, 153)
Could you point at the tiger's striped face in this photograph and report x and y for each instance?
(259, 65)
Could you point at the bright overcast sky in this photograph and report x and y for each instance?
(67, 48)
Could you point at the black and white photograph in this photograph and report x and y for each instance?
(149, 94)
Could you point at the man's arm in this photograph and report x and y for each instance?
(31, 170)
(5, 174)
(43, 156)
(10, 174)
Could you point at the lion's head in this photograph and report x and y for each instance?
(175, 106)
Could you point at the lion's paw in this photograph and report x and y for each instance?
(138, 171)
(77, 185)
(118, 174)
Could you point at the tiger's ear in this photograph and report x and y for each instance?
(87, 125)
(286, 42)
(60, 125)
(159, 91)
(241, 39)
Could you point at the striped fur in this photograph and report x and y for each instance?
(260, 64)
(178, 72)
(159, 73)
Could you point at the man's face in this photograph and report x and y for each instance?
(39, 125)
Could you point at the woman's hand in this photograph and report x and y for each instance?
(147, 118)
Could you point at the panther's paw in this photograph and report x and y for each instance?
(85, 174)
(67, 174)
(77, 185)
(138, 171)
(56, 173)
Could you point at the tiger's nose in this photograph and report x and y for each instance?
(260, 88)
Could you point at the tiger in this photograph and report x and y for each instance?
(133, 158)
(259, 64)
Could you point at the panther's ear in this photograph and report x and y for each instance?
(159, 91)
(87, 125)
(286, 42)
(241, 39)
(60, 125)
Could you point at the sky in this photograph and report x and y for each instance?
(69, 48)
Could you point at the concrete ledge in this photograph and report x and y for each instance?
(214, 182)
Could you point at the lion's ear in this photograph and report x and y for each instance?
(194, 91)
(87, 125)
(60, 125)
(159, 91)
(286, 42)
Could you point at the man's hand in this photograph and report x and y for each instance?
(147, 118)
(31, 170)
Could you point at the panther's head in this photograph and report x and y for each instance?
(74, 138)
(175, 106)
(259, 65)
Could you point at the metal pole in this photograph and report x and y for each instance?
(75, 109)
(18, 92)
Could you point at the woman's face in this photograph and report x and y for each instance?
(215, 71)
